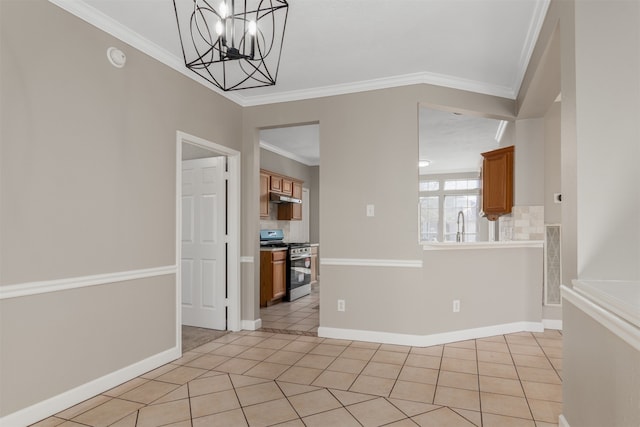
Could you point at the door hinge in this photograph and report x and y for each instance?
(226, 302)
(227, 175)
(226, 238)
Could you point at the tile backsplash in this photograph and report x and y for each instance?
(524, 223)
(293, 230)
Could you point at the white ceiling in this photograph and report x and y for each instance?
(453, 142)
(344, 46)
(300, 143)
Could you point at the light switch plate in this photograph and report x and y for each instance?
(370, 210)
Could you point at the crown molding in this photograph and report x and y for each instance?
(535, 26)
(105, 23)
(288, 154)
(382, 83)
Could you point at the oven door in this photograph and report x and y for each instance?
(299, 277)
(300, 271)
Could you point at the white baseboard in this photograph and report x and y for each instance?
(552, 324)
(53, 405)
(562, 421)
(428, 340)
(252, 325)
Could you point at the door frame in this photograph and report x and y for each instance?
(233, 228)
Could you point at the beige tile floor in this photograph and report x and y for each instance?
(259, 378)
(301, 315)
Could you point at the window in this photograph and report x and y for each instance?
(429, 218)
(441, 200)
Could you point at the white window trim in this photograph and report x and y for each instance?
(441, 193)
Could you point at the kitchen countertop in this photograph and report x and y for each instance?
(504, 244)
(274, 249)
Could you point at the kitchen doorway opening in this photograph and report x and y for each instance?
(227, 231)
(289, 285)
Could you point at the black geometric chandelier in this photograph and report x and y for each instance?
(234, 44)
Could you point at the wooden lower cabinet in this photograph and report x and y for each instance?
(273, 275)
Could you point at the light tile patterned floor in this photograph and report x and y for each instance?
(301, 315)
(262, 378)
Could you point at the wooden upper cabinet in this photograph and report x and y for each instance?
(287, 186)
(275, 183)
(296, 213)
(264, 194)
(497, 182)
(292, 211)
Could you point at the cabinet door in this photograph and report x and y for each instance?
(287, 187)
(497, 182)
(292, 211)
(276, 183)
(279, 264)
(296, 209)
(264, 195)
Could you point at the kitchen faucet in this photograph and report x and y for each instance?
(460, 235)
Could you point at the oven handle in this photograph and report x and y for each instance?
(297, 257)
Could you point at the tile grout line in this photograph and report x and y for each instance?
(547, 357)
(475, 344)
(526, 399)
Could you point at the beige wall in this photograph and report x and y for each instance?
(601, 374)
(552, 168)
(529, 165)
(88, 187)
(418, 301)
(369, 156)
(54, 342)
(543, 81)
(599, 133)
(608, 94)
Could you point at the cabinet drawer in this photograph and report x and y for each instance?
(278, 255)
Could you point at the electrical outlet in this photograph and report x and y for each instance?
(340, 305)
(456, 305)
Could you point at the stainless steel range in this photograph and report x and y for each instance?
(299, 267)
(298, 280)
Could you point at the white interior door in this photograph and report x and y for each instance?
(203, 262)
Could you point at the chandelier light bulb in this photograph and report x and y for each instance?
(224, 10)
(252, 28)
(219, 28)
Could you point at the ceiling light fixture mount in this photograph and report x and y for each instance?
(236, 45)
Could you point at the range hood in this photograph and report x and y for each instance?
(281, 198)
